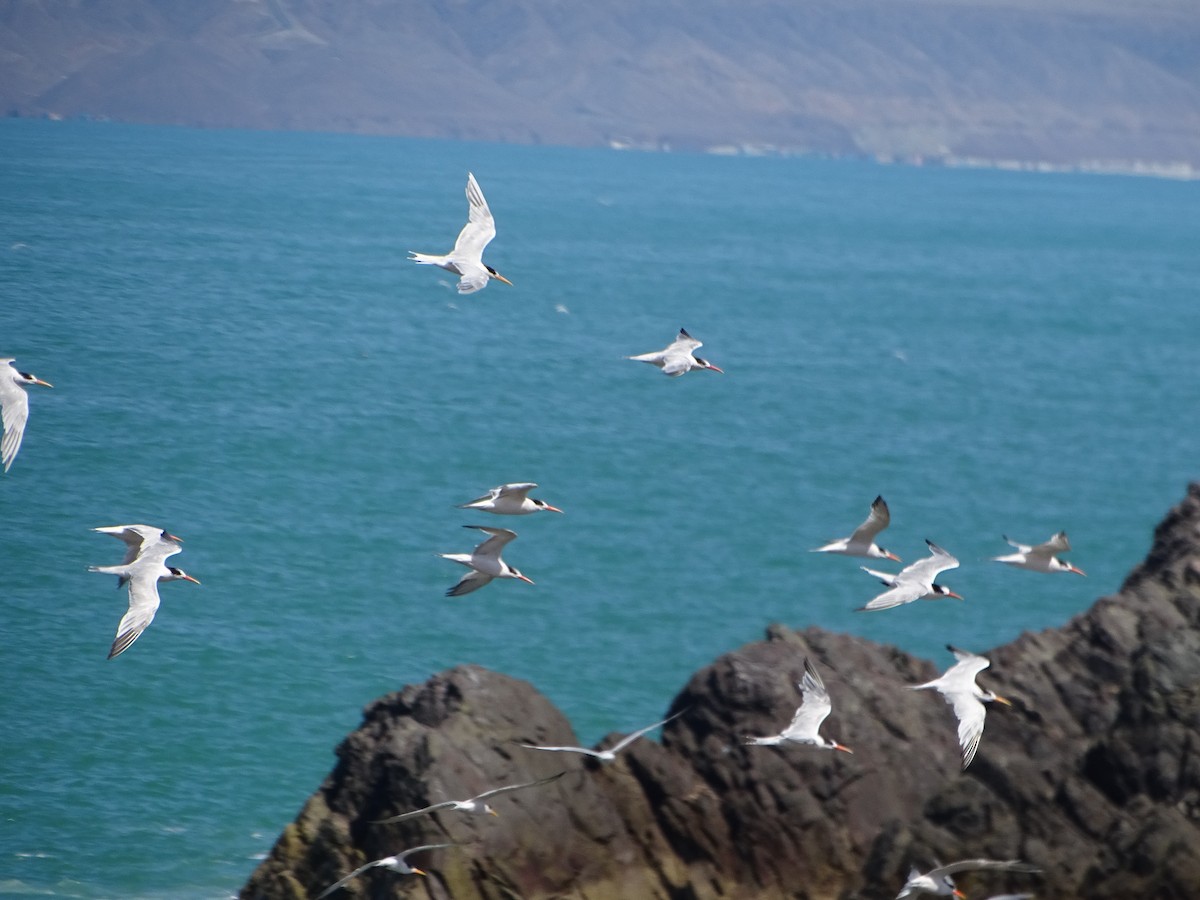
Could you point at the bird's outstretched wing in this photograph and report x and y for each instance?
(814, 707)
(878, 519)
(903, 592)
(480, 227)
(14, 413)
(472, 581)
(494, 544)
(630, 738)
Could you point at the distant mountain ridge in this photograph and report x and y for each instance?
(1063, 81)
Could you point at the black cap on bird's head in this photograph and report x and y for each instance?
(182, 575)
(943, 591)
(492, 272)
(30, 378)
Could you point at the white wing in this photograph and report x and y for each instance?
(905, 592)
(135, 537)
(143, 604)
(583, 750)
(927, 570)
(472, 581)
(479, 230)
(878, 520)
(517, 489)
(683, 343)
(814, 707)
(676, 364)
(445, 804)
(962, 673)
(970, 713)
(629, 739)
(473, 280)
(490, 495)
(493, 545)
(967, 865)
(378, 862)
(14, 412)
(1022, 548)
(1057, 544)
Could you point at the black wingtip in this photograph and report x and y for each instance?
(683, 331)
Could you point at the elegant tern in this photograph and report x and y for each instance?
(611, 753)
(813, 710)
(914, 581)
(474, 804)
(939, 883)
(143, 576)
(862, 542)
(484, 561)
(958, 688)
(466, 259)
(678, 357)
(510, 500)
(137, 538)
(395, 863)
(1042, 557)
(14, 407)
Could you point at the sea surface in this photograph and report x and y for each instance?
(241, 353)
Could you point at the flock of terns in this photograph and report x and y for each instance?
(148, 548)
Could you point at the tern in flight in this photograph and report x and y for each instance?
(14, 408)
(143, 576)
(610, 754)
(957, 687)
(939, 883)
(678, 357)
(137, 538)
(862, 542)
(914, 581)
(484, 562)
(1043, 557)
(474, 804)
(510, 500)
(466, 259)
(395, 863)
(813, 710)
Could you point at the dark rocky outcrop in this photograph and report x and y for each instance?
(1094, 774)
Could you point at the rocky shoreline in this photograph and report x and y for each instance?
(1094, 774)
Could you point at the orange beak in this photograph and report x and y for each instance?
(1076, 571)
(892, 556)
(1003, 700)
(843, 748)
(500, 277)
(172, 537)
(417, 872)
(954, 595)
(557, 510)
(187, 577)
(716, 368)
(525, 578)
(42, 383)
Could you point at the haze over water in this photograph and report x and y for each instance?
(241, 354)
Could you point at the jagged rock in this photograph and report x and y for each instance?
(1094, 774)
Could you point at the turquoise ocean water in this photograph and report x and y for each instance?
(241, 354)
